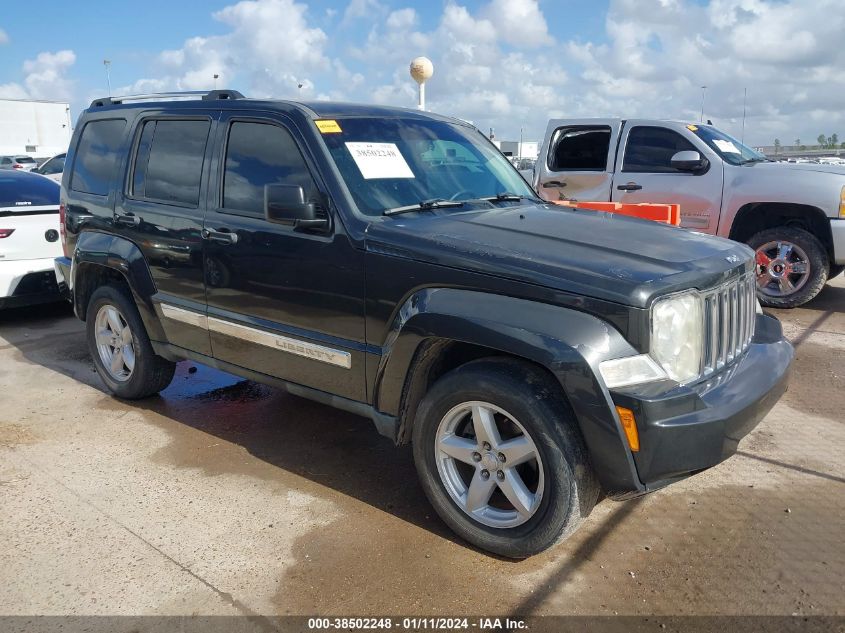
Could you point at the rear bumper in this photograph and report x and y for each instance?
(62, 268)
(27, 282)
(837, 231)
(693, 428)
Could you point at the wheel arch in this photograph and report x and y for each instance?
(99, 259)
(439, 329)
(754, 217)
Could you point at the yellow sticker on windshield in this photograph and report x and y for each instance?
(692, 128)
(328, 126)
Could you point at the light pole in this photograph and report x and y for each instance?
(421, 71)
(107, 64)
(744, 101)
(703, 92)
(299, 86)
(216, 76)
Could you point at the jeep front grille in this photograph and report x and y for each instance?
(729, 315)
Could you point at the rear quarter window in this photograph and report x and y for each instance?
(18, 193)
(97, 155)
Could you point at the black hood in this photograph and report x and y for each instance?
(588, 253)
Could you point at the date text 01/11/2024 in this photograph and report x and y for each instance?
(418, 624)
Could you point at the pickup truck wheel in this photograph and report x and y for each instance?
(120, 347)
(792, 266)
(500, 458)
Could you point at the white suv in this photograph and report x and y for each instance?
(29, 238)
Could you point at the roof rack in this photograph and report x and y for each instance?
(212, 95)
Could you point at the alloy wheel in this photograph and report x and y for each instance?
(489, 465)
(783, 268)
(115, 343)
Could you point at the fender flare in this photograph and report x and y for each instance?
(124, 257)
(567, 342)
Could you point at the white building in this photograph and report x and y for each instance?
(36, 128)
(518, 149)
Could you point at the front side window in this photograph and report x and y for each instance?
(169, 160)
(259, 154)
(392, 162)
(97, 155)
(650, 149)
(580, 149)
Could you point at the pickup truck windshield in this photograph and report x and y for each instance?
(394, 163)
(730, 149)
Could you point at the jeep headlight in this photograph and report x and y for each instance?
(677, 332)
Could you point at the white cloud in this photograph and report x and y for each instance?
(4, 38)
(519, 22)
(46, 78)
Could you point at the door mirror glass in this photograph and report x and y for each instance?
(689, 160)
(286, 204)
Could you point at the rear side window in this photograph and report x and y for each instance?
(650, 149)
(168, 163)
(259, 154)
(17, 191)
(580, 149)
(97, 155)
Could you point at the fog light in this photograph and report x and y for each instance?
(626, 416)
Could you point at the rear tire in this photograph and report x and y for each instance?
(559, 487)
(781, 250)
(120, 347)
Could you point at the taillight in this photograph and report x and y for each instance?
(17, 166)
(62, 231)
(6, 233)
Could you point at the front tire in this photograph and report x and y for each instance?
(120, 347)
(792, 266)
(500, 457)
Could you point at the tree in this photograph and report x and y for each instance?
(797, 143)
(834, 139)
(777, 145)
(822, 140)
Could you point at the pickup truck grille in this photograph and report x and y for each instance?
(729, 315)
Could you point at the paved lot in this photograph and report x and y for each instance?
(227, 497)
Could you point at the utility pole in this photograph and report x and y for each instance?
(107, 64)
(703, 92)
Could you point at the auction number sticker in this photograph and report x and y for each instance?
(726, 146)
(379, 160)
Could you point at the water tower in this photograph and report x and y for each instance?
(421, 71)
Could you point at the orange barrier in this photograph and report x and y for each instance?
(666, 213)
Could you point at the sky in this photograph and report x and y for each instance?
(510, 65)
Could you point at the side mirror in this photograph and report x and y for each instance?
(689, 160)
(286, 204)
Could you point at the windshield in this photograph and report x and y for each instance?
(392, 163)
(24, 159)
(726, 146)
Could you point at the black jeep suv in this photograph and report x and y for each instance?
(393, 263)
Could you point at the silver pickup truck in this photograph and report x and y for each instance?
(792, 215)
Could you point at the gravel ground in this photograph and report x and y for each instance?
(227, 497)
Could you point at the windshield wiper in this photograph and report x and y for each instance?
(425, 205)
(755, 159)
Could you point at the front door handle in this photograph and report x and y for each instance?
(554, 183)
(631, 186)
(127, 219)
(221, 236)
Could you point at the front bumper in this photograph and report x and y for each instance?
(837, 231)
(27, 282)
(691, 428)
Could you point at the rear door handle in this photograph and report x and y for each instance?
(127, 219)
(554, 183)
(631, 186)
(221, 236)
